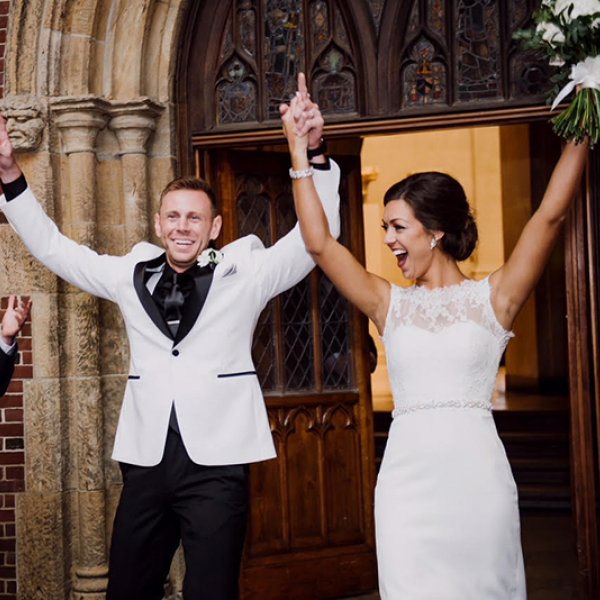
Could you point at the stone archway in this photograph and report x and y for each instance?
(98, 76)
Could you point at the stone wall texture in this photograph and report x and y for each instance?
(86, 87)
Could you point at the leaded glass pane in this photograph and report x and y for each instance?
(518, 13)
(335, 88)
(436, 18)
(319, 25)
(246, 25)
(297, 338)
(335, 347)
(283, 50)
(424, 79)
(236, 94)
(286, 213)
(530, 76)
(477, 50)
(253, 210)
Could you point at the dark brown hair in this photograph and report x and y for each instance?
(195, 184)
(440, 204)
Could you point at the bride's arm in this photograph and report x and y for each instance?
(368, 292)
(515, 280)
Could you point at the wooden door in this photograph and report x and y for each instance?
(310, 533)
(379, 67)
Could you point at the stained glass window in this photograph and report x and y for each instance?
(477, 50)
(437, 53)
(424, 79)
(287, 362)
(236, 94)
(436, 17)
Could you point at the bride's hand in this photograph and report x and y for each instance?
(294, 119)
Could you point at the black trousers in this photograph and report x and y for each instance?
(205, 507)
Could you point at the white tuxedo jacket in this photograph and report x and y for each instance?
(207, 370)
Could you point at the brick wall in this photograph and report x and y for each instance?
(12, 440)
(4, 6)
(12, 460)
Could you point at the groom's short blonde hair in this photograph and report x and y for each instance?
(195, 184)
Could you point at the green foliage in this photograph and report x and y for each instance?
(567, 34)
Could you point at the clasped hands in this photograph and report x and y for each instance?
(301, 120)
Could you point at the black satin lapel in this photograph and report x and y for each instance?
(194, 304)
(145, 296)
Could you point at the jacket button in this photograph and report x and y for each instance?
(175, 353)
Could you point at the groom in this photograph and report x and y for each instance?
(193, 415)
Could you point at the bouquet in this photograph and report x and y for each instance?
(568, 33)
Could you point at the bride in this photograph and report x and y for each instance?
(446, 506)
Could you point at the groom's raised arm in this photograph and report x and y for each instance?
(287, 262)
(77, 264)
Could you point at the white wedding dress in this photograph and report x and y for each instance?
(446, 507)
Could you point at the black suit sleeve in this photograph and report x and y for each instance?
(7, 368)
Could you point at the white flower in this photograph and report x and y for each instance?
(581, 8)
(551, 33)
(210, 256)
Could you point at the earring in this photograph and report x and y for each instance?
(433, 243)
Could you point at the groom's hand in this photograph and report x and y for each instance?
(9, 169)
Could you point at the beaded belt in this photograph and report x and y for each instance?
(403, 410)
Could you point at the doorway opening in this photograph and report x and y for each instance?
(504, 170)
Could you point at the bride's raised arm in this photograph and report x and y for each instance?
(515, 280)
(368, 292)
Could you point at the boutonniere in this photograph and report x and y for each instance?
(210, 257)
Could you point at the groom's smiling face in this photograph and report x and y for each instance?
(186, 224)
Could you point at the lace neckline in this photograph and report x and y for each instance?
(444, 289)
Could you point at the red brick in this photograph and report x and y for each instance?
(12, 458)
(24, 343)
(8, 572)
(7, 516)
(23, 372)
(13, 486)
(11, 430)
(15, 386)
(13, 415)
(26, 357)
(15, 473)
(26, 329)
(10, 530)
(11, 587)
(14, 400)
(9, 501)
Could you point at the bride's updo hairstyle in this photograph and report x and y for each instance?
(440, 204)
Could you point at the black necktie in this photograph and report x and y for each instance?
(171, 292)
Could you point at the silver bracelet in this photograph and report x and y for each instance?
(301, 174)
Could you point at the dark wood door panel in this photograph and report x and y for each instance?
(311, 508)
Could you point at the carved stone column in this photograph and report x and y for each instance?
(79, 121)
(133, 124)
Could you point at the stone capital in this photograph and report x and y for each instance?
(79, 120)
(133, 122)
